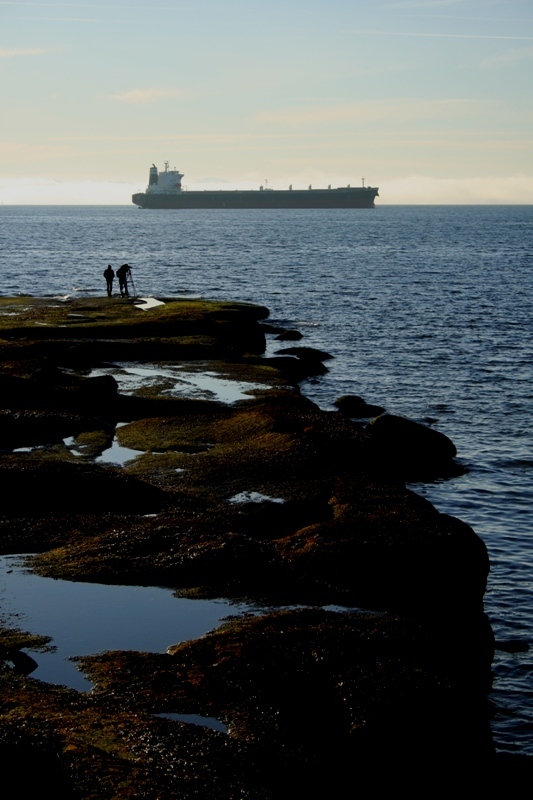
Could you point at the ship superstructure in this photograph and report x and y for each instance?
(167, 182)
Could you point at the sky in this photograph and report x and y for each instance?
(429, 100)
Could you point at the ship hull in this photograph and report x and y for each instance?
(362, 197)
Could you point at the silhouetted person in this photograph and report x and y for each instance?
(122, 275)
(109, 276)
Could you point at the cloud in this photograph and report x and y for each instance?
(59, 19)
(442, 35)
(426, 190)
(27, 152)
(107, 6)
(17, 52)
(511, 57)
(424, 4)
(141, 96)
(43, 191)
(395, 110)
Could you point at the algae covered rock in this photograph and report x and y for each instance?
(271, 499)
(314, 695)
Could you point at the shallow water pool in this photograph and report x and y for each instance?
(88, 618)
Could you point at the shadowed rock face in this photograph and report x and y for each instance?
(33, 427)
(321, 692)
(309, 695)
(411, 449)
(66, 488)
(356, 407)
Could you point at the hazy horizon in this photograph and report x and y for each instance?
(429, 100)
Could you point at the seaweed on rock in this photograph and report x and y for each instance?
(310, 695)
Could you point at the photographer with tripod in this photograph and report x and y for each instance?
(123, 273)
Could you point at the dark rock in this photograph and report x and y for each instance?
(36, 754)
(100, 389)
(22, 662)
(289, 336)
(350, 405)
(386, 547)
(296, 369)
(57, 391)
(34, 487)
(306, 353)
(407, 448)
(400, 432)
(31, 428)
(321, 694)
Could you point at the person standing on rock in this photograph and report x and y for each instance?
(122, 275)
(109, 275)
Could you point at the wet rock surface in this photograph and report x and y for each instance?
(269, 499)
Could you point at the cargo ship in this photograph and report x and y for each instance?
(165, 191)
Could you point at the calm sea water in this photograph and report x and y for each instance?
(427, 311)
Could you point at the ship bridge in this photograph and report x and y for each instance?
(166, 182)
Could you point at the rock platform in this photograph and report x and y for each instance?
(376, 654)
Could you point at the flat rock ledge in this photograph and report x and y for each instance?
(373, 655)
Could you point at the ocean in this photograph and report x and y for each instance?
(427, 311)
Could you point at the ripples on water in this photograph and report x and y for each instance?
(427, 311)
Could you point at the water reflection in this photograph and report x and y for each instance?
(116, 454)
(253, 497)
(197, 719)
(207, 385)
(87, 618)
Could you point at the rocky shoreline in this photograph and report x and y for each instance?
(268, 499)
